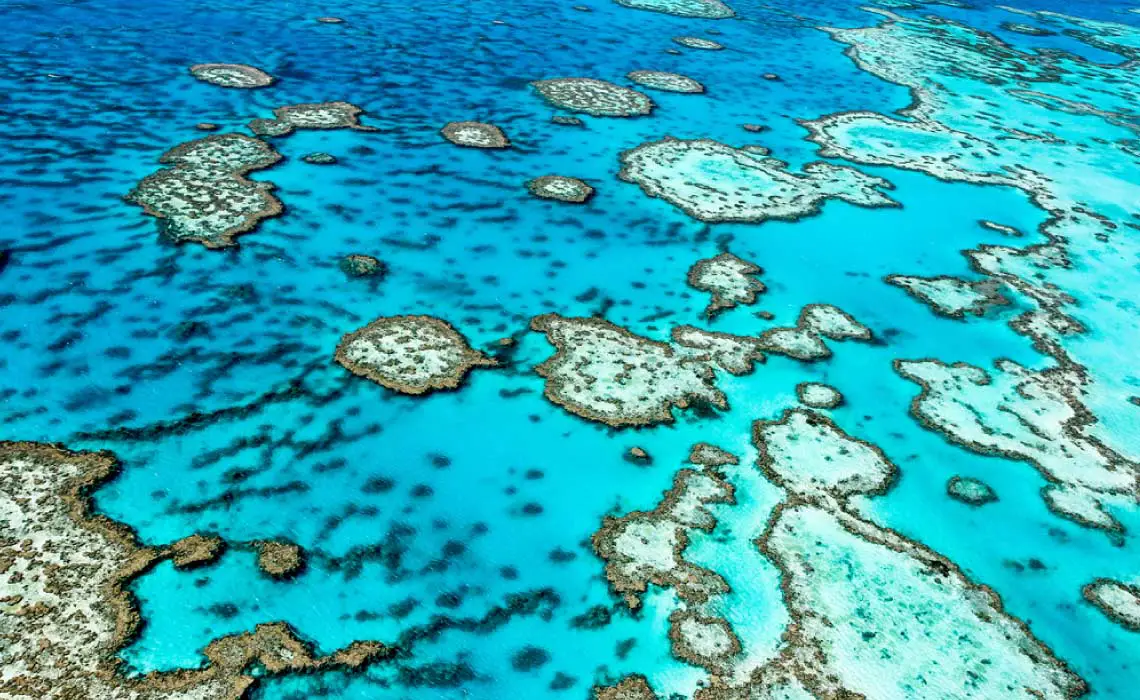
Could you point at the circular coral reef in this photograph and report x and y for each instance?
(360, 265)
(475, 135)
(231, 75)
(564, 189)
(969, 490)
(598, 98)
(410, 354)
(320, 159)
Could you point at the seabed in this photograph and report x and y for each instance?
(626, 349)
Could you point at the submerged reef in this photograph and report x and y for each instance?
(669, 82)
(231, 75)
(67, 608)
(1119, 602)
(699, 9)
(696, 42)
(319, 159)
(594, 97)
(360, 265)
(816, 395)
(971, 491)
(729, 279)
(316, 115)
(410, 354)
(1024, 415)
(204, 196)
(952, 297)
(713, 182)
(561, 188)
(804, 341)
(278, 559)
(475, 135)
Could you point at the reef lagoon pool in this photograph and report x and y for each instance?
(621, 350)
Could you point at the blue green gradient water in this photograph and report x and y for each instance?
(292, 446)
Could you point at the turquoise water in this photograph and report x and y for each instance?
(457, 524)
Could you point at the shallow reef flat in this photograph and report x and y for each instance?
(204, 196)
(715, 182)
(410, 354)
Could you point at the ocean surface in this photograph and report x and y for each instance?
(457, 524)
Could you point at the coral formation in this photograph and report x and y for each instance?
(594, 97)
(410, 354)
(816, 395)
(605, 373)
(804, 341)
(67, 609)
(561, 188)
(713, 182)
(1025, 415)
(669, 82)
(729, 279)
(1118, 601)
(316, 115)
(360, 265)
(279, 559)
(698, 9)
(231, 75)
(951, 296)
(475, 135)
(648, 547)
(974, 492)
(696, 42)
(204, 196)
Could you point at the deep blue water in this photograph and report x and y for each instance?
(92, 93)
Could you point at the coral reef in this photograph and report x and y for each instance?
(67, 610)
(475, 135)
(204, 196)
(231, 75)
(360, 265)
(696, 42)
(1118, 601)
(697, 9)
(605, 373)
(1025, 415)
(952, 297)
(713, 182)
(279, 559)
(729, 279)
(316, 115)
(816, 395)
(804, 341)
(648, 547)
(668, 82)
(594, 97)
(410, 354)
(561, 188)
(971, 491)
